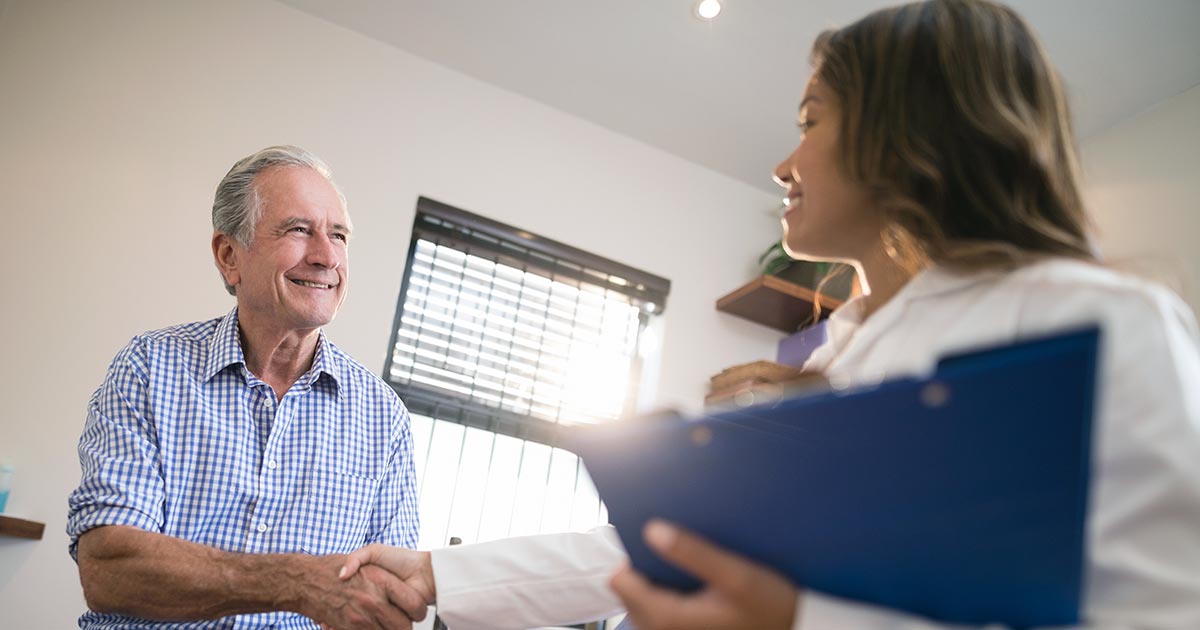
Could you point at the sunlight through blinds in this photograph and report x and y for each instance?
(503, 330)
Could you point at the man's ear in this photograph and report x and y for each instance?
(225, 256)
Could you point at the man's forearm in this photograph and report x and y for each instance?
(129, 571)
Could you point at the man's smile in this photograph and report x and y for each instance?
(312, 285)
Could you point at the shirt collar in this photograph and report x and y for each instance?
(938, 280)
(844, 320)
(225, 349)
(325, 362)
(929, 282)
(844, 323)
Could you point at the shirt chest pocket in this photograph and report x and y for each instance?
(337, 512)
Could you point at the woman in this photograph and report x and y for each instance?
(937, 158)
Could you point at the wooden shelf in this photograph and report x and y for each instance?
(777, 303)
(21, 528)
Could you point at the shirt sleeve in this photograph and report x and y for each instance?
(528, 581)
(395, 521)
(1143, 567)
(121, 480)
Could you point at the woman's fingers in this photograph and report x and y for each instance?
(407, 598)
(642, 599)
(710, 564)
(737, 592)
(356, 559)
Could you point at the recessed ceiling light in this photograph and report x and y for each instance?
(708, 9)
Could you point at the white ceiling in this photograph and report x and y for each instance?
(724, 94)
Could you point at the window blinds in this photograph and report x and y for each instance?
(507, 331)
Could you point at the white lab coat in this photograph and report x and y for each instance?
(1143, 567)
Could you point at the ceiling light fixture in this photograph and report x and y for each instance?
(708, 9)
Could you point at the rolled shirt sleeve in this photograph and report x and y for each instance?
(121, 480)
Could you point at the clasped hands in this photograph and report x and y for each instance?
(737, 592)
(376, 588)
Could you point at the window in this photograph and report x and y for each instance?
(501, 339)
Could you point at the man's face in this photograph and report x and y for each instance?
(293, 275)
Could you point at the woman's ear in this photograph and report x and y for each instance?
(225, 255)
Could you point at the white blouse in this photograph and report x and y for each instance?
(1143, 567)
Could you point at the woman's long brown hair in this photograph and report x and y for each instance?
(956, 122)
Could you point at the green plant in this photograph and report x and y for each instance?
(775, 261)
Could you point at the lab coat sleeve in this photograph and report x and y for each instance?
(523, 582)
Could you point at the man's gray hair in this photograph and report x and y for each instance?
(237, 206)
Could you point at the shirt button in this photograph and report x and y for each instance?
(272, 464)
(262, 528)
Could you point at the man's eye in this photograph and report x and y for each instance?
(341, 237)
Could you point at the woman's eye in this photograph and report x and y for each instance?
(805, 125)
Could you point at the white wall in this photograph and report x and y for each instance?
(1143, 187)
(116, 122)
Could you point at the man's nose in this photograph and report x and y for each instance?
(323, 252)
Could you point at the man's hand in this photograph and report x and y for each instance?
(738, 593)
(372, 599)
(128, 571)
(414, 567)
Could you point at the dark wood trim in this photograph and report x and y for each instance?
(777, 303)
(21, 528)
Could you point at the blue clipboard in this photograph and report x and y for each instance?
(961, 497)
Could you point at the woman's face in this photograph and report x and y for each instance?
(828, 217)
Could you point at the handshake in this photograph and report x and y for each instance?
(390, 587)
(377, 587)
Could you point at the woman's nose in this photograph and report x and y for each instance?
(783, 173)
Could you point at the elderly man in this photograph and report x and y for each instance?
(229, 464)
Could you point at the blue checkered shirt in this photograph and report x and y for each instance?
(183, 440)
